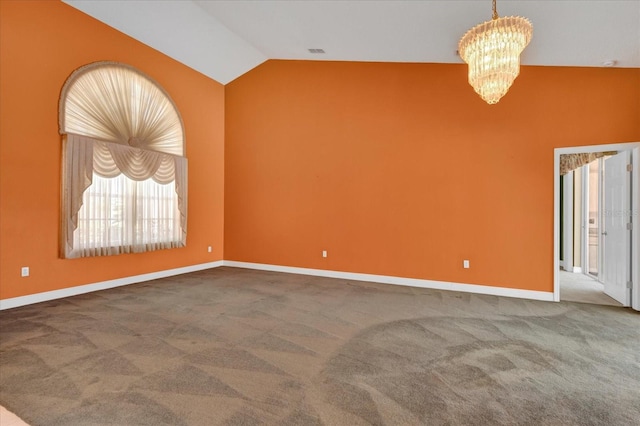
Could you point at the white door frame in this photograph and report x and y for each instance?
(635, 233)
(635, 203)
(584, 226)
(567, 221)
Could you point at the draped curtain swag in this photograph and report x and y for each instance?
(570, 162)
(115, 120)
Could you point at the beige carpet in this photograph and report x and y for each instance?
(241, 347)
(576, 287)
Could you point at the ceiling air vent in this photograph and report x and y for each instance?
(316, 51)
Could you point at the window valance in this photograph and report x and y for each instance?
(570, 162)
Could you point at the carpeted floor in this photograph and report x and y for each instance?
(577, 287)
(241, 347)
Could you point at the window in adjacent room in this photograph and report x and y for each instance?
(124, 171)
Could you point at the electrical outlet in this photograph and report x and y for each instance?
(465, 264)
(209, 249)
(324, 253)
(25, 271)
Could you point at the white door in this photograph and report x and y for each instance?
(616, 234)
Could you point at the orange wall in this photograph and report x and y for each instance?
(402, 170)
(41, 43)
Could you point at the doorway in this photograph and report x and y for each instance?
(581, 251)
(596, 250)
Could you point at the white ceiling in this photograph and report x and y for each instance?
(225, 39)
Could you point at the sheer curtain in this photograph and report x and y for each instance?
(120, 215)
(124, 174)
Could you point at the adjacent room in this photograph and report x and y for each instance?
(596, 254)
(319, 212)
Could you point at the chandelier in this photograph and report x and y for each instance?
(492, 50)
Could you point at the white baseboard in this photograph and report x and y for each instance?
(411, 282)
(383, 279)
(577, 270)
(88, 288)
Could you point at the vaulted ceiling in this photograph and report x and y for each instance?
(225, 39)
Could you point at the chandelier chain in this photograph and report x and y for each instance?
(495, 10)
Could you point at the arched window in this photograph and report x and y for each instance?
(124, 171)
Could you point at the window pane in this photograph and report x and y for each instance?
(120, 215)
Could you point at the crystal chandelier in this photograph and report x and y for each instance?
(492, 50)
